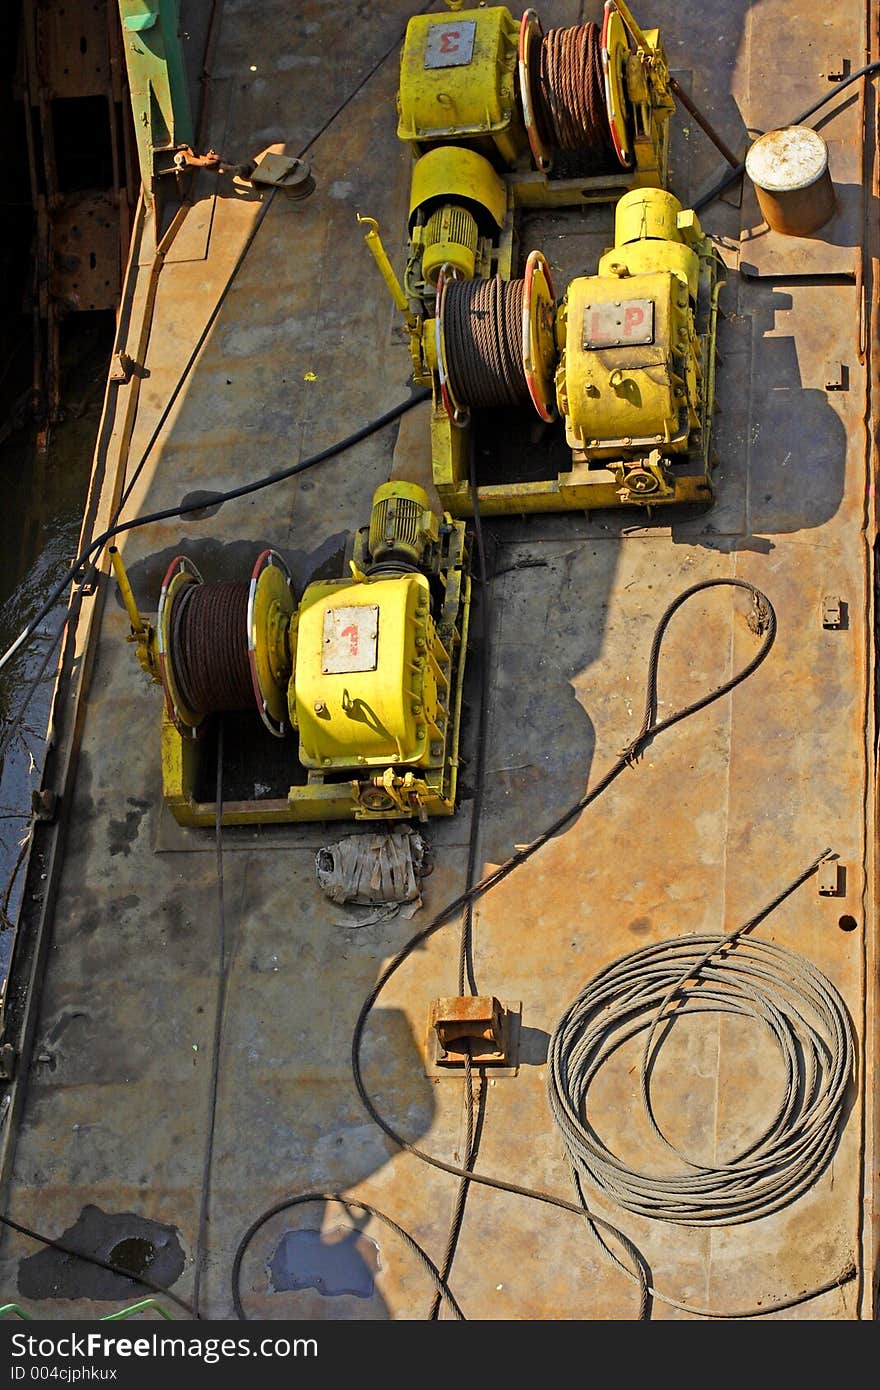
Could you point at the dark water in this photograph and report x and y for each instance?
(126, 1240)
(43, 496)
(336, 1262)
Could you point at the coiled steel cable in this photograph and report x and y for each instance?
(481, 322)
(756, 979)
(570, 104)
(209, 653)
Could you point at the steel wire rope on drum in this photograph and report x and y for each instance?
(209, 651)
(483, 335)
(570, 101)
(756, 979)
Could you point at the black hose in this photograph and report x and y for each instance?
(214, 499)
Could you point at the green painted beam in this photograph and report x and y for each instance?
(157, 84)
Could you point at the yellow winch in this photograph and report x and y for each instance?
(502, 116)
(569, 114)
(626, 361)
(367, 670)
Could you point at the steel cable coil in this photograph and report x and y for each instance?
(209, 652)
(753, 978)
(570, 105)
(483, 333)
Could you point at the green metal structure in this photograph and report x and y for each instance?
(157, 82)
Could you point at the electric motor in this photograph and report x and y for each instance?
(458, 206)
(458, 80)
(402, 526)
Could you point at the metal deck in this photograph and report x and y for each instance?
(111, 1108)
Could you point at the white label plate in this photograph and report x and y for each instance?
(351, 639)
(450, 45)
(625, 324)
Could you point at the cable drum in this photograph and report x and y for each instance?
(482, 328)
(209, 651)
(571, 93)
(756, 979)
(565, 99)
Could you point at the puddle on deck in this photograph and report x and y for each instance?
(336, 1262)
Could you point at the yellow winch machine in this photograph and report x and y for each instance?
(365, 671)
(501, 116)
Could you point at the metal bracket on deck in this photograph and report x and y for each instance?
(475, 1026)
(121, 368)
(838, 68)
(829, 878)
(8, 1060)
(44, 804)
(833, 611)
(840, 380)
(274, 169)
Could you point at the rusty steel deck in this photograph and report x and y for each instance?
(105, 1131)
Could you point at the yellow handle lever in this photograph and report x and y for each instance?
(374, 241)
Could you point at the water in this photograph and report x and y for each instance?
(44, 495)
(336, 1262)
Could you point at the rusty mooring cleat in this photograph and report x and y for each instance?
(475, 1026)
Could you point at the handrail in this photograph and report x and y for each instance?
(14, 1310)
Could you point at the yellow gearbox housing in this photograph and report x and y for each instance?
(371, 683)
(629, 376)
(458, 81)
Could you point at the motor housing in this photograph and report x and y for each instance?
(630, 372)
(458, 81)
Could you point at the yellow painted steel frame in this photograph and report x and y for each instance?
(591, 486)
(396, 793)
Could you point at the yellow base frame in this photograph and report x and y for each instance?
(432, 792)
(536, 190)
